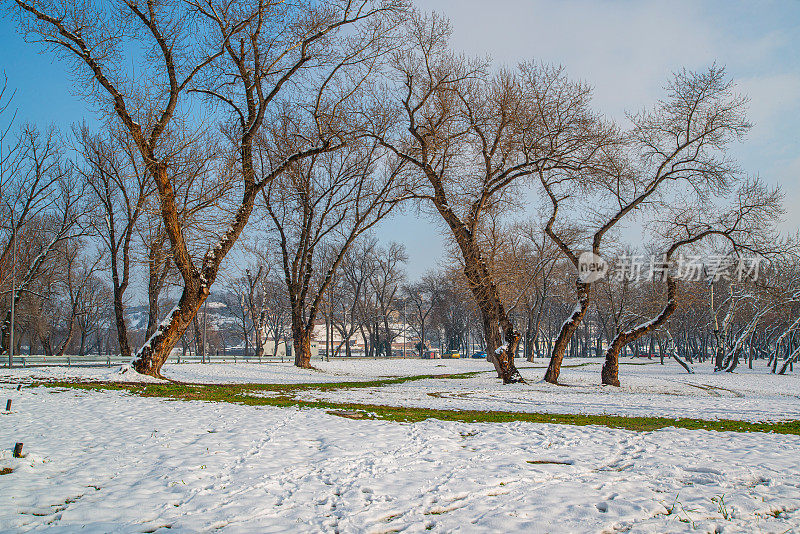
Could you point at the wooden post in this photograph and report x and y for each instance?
(18, 450)
(8, 405)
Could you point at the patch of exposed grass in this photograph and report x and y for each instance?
(564, 366)
(378, 382)
(6, 471)
(243, 394)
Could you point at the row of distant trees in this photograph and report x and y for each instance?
(293, 129)
(725, 317)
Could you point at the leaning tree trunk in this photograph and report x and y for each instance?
(610, 373)
(789, 361)
(154, 353)
(494, 319)
(568, 329)
(484, 290)
(674, 353)
(197, 279)
(62, 349)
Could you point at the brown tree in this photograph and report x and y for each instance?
(44, 205)
(472, 135)
(120, 187)
(318, 209)
(421, 298)
(679, 147)
(244, 54)
(745, 227)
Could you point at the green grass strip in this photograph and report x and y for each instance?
(282, 397)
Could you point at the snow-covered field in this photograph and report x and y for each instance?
(105, 461)
(647, 388)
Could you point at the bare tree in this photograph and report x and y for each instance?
(678, 148)
(234, 297)
(78, 275)
(381, 297)
(255, 304)
(318, 209)
(347, 297)
(470, 136)
(242, 54)
(92, 313)
(277, 313)
(524, 261)
(745, 227)
(423, 296)
(46, 205)
(120, 186)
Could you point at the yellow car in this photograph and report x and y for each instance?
(451, 355)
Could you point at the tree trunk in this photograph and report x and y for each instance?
(674, 352)
(153, 292)
(156, 350)
(301, 342)
(568, 329)
(789, 361)
(82, 348)
(119, 322)
(610, 373)
(502, 355)
(70, 332)
(199, 345)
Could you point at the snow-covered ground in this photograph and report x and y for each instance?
(648, 389)
(272, 372)
(103, 461)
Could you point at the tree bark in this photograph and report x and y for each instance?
(119, 322)
(157, 275)
(494, 319)
(152, 356)
(610, 373)
(568, 329)
(301, 342)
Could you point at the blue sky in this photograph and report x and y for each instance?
(625, 50)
